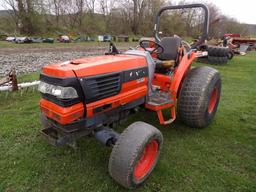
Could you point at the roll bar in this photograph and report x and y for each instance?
(188, 6)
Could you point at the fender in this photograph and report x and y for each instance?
(181, 70)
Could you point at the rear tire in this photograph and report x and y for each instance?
(217, 51)
(135, 154)
(218, 60)
(214, 60)
(199, 97)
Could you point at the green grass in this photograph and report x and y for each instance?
(28, 77)
(221, 157)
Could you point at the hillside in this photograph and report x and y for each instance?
(251, 29)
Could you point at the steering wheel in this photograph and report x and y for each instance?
(158, 48)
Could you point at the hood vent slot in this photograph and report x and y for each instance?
(101, 87)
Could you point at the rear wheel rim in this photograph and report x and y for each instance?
(213, 100)
(146, 161)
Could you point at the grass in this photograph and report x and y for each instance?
(28, 77)
(219, 158)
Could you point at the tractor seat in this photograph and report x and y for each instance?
(171, 48)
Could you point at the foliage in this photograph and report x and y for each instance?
(135, 17)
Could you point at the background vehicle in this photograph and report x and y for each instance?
(42, 40)
(37, 39)
(20, 40)
(10, 39)
(64, 39)
(90, 96)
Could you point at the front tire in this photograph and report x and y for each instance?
(135, 154)
(199, 97)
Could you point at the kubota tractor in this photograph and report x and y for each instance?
(90, 96)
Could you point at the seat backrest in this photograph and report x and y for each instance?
(171, 47)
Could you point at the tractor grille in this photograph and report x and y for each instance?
(103, 86)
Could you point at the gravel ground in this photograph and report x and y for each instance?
(26, 60)
(31, 62)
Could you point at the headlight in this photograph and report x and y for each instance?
(58, 91)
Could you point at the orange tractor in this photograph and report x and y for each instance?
(90, 96)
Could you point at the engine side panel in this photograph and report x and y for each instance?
(109, 91)
(102, 86)
(130, 91)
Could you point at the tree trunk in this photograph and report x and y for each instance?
(135, 17)
(25, 17)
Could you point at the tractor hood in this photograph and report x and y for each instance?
(96, 65)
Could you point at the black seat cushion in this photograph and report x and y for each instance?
(171, 46)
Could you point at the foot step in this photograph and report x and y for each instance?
(159, 98)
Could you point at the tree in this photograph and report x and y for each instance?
(115, 17)
(25, 15)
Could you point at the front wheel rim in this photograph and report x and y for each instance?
(146, 161)
(213, 100)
